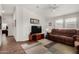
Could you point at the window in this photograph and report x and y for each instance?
(59, 23)
(70, 22)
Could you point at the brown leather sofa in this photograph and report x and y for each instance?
(66, 36)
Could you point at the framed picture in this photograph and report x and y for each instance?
(34, 21)
(50, 24)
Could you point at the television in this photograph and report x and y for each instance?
(36, 29)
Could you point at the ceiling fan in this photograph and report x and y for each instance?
(52, 7)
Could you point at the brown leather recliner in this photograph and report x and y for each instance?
(66, 36)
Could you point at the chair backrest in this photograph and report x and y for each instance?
(65, 32)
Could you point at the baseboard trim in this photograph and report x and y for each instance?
(11, 36)
(21, 41)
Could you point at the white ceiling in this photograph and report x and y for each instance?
(66, 9)
(44, 9)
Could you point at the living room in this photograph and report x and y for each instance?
(40, 28)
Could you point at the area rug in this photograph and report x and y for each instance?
(45, 41)
(28, 46)
(59, 48)
(50, 48)
(50, 44)
(40, 49)
(37, 48)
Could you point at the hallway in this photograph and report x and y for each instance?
(10, 46)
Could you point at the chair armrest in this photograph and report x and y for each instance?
(48, 35)
(76, 43)
(48, 32)
(76, 37)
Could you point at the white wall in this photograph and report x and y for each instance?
(27, 14)
(0, 29)
(19, 23)
(49, 20)
(8, 19)
(0, 9)
(14, 24)
(23, 26)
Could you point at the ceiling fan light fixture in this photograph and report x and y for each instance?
(53, 7)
